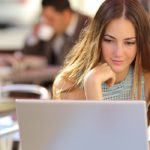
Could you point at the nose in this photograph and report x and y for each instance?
(118, 50)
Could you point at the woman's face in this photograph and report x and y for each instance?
(119, 45)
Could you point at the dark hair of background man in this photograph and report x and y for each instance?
(59, 5)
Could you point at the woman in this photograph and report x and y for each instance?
(111, 60)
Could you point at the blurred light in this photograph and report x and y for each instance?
(88, 7)
(22, 1)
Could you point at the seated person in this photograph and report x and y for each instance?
(65, 25)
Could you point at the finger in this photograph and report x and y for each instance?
(110, 82)
(113, 80)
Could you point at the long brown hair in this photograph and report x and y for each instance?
(87, 52)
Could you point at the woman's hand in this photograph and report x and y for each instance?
(94, 79)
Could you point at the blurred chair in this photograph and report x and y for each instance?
(20, 91)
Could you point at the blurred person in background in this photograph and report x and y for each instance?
(57, 31)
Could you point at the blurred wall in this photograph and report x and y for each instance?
(88, 7)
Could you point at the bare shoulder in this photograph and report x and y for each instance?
(61, 90)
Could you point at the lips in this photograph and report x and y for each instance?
(117, 62)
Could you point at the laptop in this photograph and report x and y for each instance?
(82, 125)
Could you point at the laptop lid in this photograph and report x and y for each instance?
(82, 125)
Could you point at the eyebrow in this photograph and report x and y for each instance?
(130, 38)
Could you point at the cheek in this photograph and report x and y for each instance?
(106, 51)
(50, 22)
(132, 54)
(54, 21)
(58, 22)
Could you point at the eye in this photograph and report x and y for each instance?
(130, 42)
(107, 40)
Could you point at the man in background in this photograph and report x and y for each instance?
(64, 25)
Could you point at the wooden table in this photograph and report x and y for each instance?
(7, 107)
(30, 69)
(35, 75)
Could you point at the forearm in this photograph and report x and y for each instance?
(93, 91)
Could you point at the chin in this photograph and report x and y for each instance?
(118, 69)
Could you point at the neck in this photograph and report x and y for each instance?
(121, 75)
